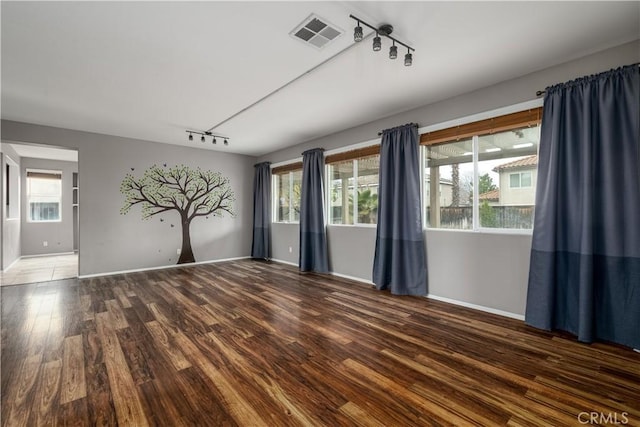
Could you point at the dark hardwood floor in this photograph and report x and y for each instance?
(249, 343)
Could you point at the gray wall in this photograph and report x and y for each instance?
(112, 242)
(10, 235)
(351, 250)
(490, 98)
(58, 235)
(484, 269)
(283, 237)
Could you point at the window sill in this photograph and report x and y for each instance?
(500, 231)
(353, 225)
(512, 231)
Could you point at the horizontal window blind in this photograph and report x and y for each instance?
(353, 154)
(44, 175)
(287, 168)
(517, 120)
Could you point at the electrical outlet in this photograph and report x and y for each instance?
(290, 249)
(178, 251)
(45, 243)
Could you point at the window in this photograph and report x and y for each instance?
(287, 184)
(476, 176)
(520, 179)
(506, 187)
(353, 186)
(482, 175)
(448, 185)
(44, 193)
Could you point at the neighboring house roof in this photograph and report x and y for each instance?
(526, 163)
(493, 195)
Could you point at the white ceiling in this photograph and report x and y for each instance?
(151, 70)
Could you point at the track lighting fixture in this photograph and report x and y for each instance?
(384, 30)
(357, 33)
(204, 134)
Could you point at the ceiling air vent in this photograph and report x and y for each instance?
(316, 31)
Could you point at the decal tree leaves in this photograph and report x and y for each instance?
(190, 192)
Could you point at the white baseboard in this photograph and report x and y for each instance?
(162, 267)
(284, 262)
(435, 297)
(333, 273)
(44, 255)
(355, 279)
(11, 265)
(477, 307)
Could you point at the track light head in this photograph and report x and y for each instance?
(226, 142)
(190, 137)
(393, 51)
(408, 59)
(357, 33)
(214, 140)
(202, 138)
(377, 43)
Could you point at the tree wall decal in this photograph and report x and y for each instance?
(190, 192)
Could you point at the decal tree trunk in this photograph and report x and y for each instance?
(190, 192)
(186, 253)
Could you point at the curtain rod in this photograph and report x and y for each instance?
(412, 124)
(542, 92)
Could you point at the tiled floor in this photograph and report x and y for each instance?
(41, 269)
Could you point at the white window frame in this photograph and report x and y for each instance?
(327, 197)
(275, 201)
(28, 197)
(475, 228)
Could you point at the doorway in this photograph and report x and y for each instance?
(46, 186)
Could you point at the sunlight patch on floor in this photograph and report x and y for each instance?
(41, 269)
